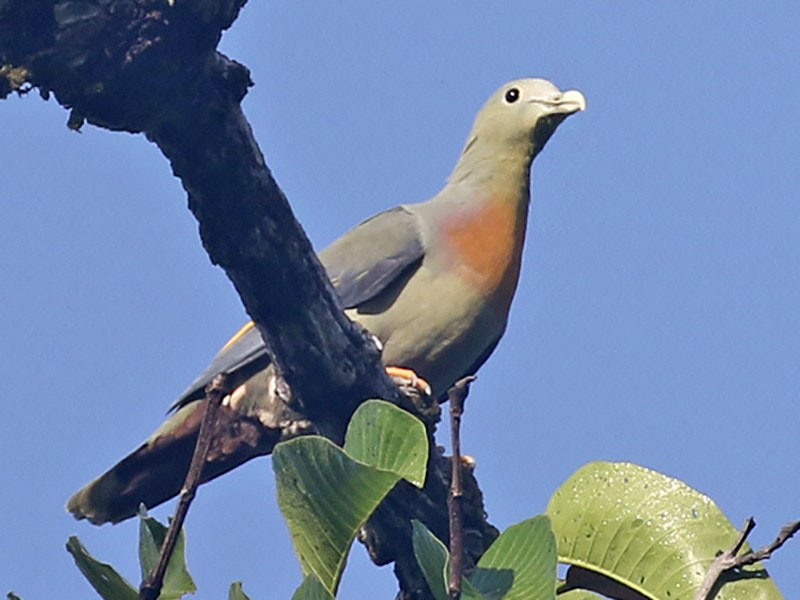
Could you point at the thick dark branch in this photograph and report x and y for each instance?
(248, 228)
(151, 66)
(146, 66)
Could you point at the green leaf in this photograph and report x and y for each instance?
(579, 595)
(312, 589)
(326, 496)
(434, 560)
(104, 579)
(469, 591)
(520, 564)
(177, 581)
(432, 557)
(236, 592)
(650, 532)
(386, 437)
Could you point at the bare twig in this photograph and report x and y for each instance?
(728, 559)
(724, 561)
(786, 532)
(215, 391)
(458, 396)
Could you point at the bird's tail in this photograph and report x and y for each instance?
(155, 471)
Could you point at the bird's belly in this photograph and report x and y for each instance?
(439, 326)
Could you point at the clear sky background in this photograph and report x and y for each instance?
(657, 320)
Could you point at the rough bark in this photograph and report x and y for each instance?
(151, 67)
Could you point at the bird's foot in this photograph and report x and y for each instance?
(406, 378)
(417, 393)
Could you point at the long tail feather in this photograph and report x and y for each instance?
(155, 471)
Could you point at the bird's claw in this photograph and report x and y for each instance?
(377, 341)
(408, 378)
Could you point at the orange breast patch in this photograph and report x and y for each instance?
(488, 244)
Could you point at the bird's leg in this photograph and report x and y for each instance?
(403, 377)
(408, 378)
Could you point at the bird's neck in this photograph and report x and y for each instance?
(497, 169)
(485, 225)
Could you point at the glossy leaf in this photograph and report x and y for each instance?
(579, 595)
(650, 532)
(312, 589)
(236, 592)
(520, 564)
(389, 438)
(177, 581)
(102, 576)
(326, 496)
(432, 558)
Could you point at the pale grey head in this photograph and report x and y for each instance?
(515, 124)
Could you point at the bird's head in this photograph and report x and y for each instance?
(522, 115)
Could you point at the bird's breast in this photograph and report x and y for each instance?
(440, 318)
(484, 246)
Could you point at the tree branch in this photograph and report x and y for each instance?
(151, 66)
(729, 560)
(458, 396)
(215, 391)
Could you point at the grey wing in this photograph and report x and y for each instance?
(365, 260)
(360, 264)
(245, 350)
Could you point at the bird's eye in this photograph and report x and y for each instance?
(512, 95)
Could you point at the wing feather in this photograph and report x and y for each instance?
(368, 258)
(360, 264)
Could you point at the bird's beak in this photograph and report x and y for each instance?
(571, 102)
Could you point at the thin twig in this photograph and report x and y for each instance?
(749, 525)
(728, 559)
(724, 561)
(215, 391)
(458, 396)
(786, 532)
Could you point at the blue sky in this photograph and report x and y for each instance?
(658, 312)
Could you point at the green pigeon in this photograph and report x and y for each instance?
(432, 281)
